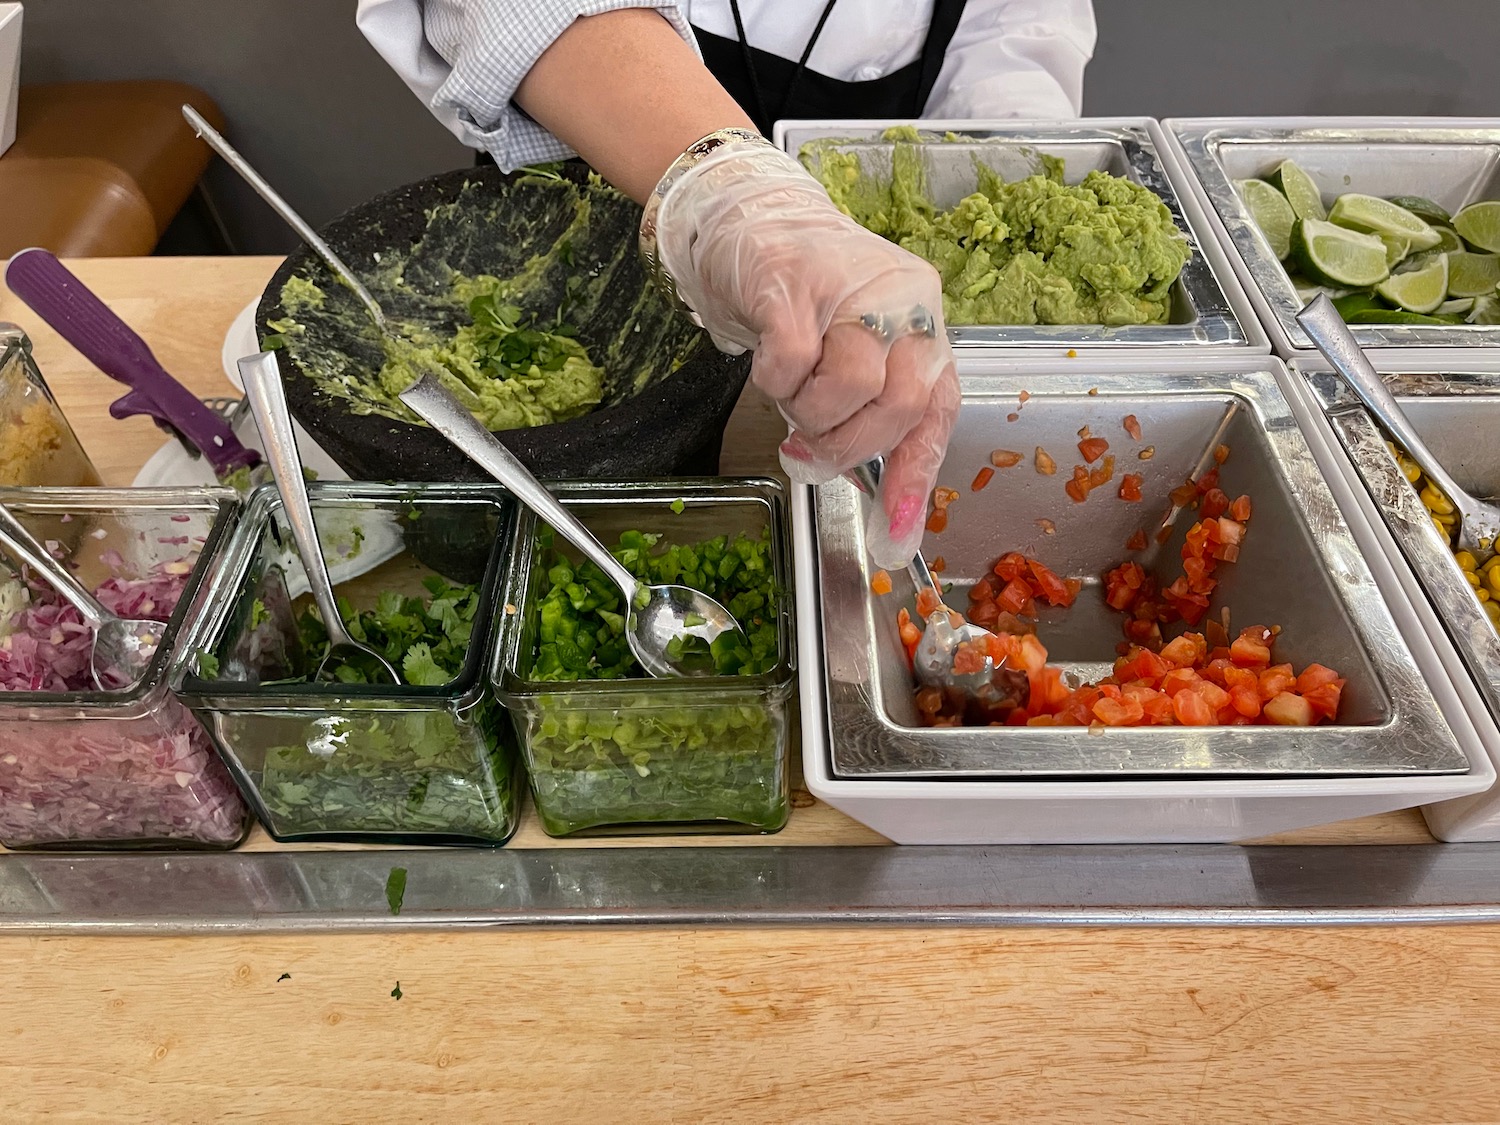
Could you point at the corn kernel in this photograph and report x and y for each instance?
(1465, 560)
(1473, 578)
(1436, 501)
(1492, 608)
(1482, 594)
(1492, 580)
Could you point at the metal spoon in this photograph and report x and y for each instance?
(123, 646)
(1479, 520)
(657, 615)
(262, 378)
(933, 660)
(315, 241)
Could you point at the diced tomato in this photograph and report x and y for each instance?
(1324, 699)
(1184, 494)
(1178, 679)
(1003, 648)
(1032, 656)
(1275, 680)
(1073, 586)
(982, 478)
(1217, 669)
(1207, 482)
(1049, 586)
(1252, 648)
(1288, 710)
(986, 614)
(1214, 504)
(1221, 454)
(982, 590)
(1198, 572)
(1132, 427)
(1157, 708)
(1136, 542)
(928, 602)
(1240, 509)
(929, 700)
(1048, 690)
(1123, 585)
(1118, 713)
(1092, 448)
(1015, 598)
(1077, 490)
(1315, 675)
(880, 583)
(968, 658)
(1212, 694)
(1142, 664)
(1245, 699)
(1184, 651)
(1192, 710)
(1103, 474)
(1018, 717)
(1010, 566)
(937, 522)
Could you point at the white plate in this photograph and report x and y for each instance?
(239, 342)
(171, 465)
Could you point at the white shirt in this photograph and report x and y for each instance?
(465, 58)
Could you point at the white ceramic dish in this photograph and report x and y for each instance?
(1143, 811)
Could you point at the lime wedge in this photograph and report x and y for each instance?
(1371, 213)
(1333, 255)
(1422, 208)
(1271, 212)
(1472, 275)
(1486, 310)
(1479, 225)
(1300, 190)
(1447, 240)
(1352, 304)
(1457, 307)
(1418, 291)
(1397, 246)
(1399, 316)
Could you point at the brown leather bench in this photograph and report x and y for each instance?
(100, 168)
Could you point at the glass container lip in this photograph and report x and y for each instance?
(505, 677)
(264, 501)
(138, 699)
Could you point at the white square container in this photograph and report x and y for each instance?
(1454, 161)
(1471, 661)
(10, 72)
(979, 811)
(1212, 313)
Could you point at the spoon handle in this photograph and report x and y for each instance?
(449, 417)
(232, 157)
(21, 543)
(1332, 337)
(262, 378)
(867, 476)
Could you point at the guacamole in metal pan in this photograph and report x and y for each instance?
(1030, 251)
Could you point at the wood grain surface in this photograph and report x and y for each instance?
(671, 1025)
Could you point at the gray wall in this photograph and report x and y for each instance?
(320, 114)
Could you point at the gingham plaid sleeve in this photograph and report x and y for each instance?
(491, 45)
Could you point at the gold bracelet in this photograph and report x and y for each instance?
(695, 154)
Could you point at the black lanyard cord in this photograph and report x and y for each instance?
(786, 98)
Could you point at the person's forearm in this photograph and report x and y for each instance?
(628, 95)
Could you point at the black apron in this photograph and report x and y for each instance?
(770, 88)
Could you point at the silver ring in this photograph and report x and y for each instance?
(919, 322)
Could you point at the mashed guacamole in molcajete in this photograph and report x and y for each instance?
(1031, 251)
(507, 345)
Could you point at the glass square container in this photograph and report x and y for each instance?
(37, 445)
(374, 763)
(642, 755)
(119, 769)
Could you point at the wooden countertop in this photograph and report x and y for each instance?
(698, 1025)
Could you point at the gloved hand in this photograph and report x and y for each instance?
(847, 328)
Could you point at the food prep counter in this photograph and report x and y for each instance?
(414, 1002)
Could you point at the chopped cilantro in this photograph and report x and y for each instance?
(396, 992)
(271, 341)
(395, 888)
(207, 664)
(678, 507)
(283, 976)
(259, 614)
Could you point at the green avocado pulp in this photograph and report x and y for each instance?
(487, 300)
(1030, 251)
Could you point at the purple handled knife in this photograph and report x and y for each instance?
(83, 320)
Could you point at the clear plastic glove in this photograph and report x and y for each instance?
(847, 328)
